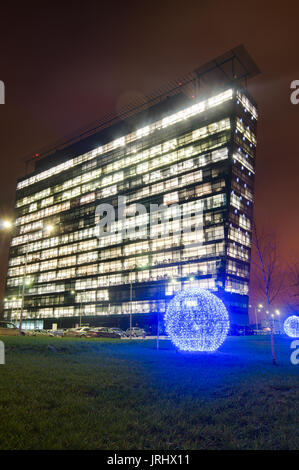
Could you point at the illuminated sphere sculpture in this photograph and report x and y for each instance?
(196, 320)
(291, 326)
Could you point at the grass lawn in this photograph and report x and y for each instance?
(111, 394)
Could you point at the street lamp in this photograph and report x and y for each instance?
(73, 293)
(131, 300)
(6, 224)
(272, 333)
(257, 308)
(144, 266)
(278, 322)
(255, 312)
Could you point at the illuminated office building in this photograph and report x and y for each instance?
(197, 151)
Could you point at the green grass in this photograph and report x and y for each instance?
(102, 394)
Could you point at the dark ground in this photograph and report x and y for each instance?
(110, 394)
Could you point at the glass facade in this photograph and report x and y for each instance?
(200, 158)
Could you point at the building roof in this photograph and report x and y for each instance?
(232, 68)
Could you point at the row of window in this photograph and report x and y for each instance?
(245, 131)
(237, 286)
(238, 236)
(238, 156)
(193, 252)
(90, 269)
(247, 104)
(237, 269)
(165, 122)
(91, 309)
(197, 236)
(164, 257)
(240, 287)
(116, 165)
(102, 295)
(111, 179)
(168, 198)
(237, 251)
(207, 203)
(145, 306)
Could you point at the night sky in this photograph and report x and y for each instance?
(67, 64)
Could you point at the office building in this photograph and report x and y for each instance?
(194, 148)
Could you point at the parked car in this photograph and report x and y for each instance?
(82, 332)
(103, 332)
(56, 333)
(71, 332)
(119, 331)
(39, 332)
(136, 332)
(29, 332)
(9, 329)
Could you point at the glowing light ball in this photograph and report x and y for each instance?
(196, 320)
(291, 326)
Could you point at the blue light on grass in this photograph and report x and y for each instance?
(196, 320)
(291, 326)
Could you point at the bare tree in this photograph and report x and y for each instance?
(269, 272)
(294, 285)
